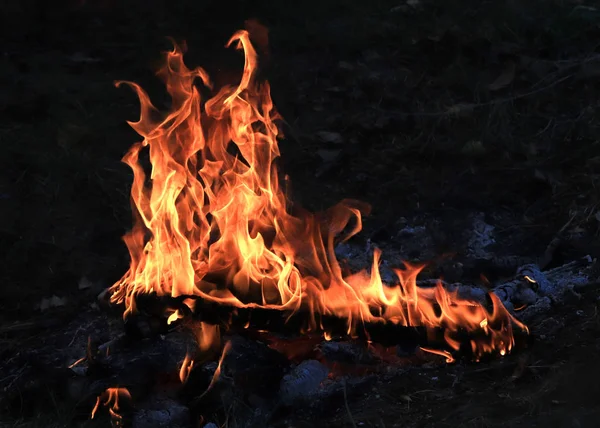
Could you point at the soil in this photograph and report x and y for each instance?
(431, 112)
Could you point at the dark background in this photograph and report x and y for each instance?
(442, 108)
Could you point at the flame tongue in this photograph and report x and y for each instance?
(212, 213)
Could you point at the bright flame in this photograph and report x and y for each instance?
(110, 398)
(174, 317)
(212, 221)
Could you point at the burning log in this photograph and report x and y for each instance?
(150, 319)
(531, 289)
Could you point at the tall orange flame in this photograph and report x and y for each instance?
(212, 220)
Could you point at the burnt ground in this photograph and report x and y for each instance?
(431, 111)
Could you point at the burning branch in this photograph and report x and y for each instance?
(150, 320)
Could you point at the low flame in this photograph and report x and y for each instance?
(208, 336)
(186, 367)
(212, 221)
(76, 363)
(110, 398)
(447, 355)
(217, 373)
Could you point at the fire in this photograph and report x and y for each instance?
(208, 336)
(217, 372)
(110, 398)
(447, 355)
(213, 222)
(174, 317)
(186, 367)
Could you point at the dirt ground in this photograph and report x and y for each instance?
(420, 108)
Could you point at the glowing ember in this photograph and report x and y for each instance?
(212, 221)
(79, 361)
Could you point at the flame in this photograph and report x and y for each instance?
(110, 397)
(217, 373)
(76, 363)
(186, 367)
(212, 221)
(447, 355)
(174, 317)
(208, 336)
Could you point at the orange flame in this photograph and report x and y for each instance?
(186, 367)
(208, 336)
(211, 220)
(447, 355)
(174, 317)
(110, 397)
(76, 363)
(217, 373)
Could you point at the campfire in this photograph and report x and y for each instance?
(219, 247)
(214, 225)
(377, 214)
(241, 308)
